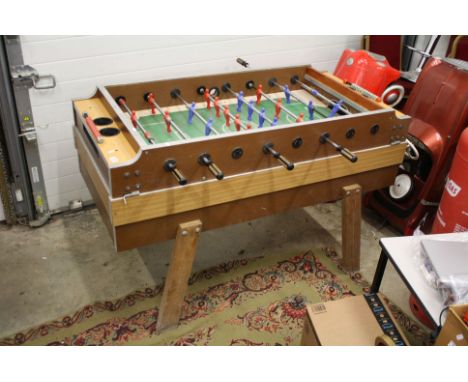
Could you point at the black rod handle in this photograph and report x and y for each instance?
(348, 154)
(205, 160)
(325, 138)
(170, 166)
(268, 149)
(215, 170)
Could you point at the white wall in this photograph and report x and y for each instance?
(79, 63)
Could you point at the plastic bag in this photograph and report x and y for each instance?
(452, 288)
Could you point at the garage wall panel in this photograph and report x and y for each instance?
(80, 63)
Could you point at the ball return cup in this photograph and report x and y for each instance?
(165, 159)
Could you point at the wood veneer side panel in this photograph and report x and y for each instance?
(164, 228)
(190, 197)
(100, 203)
(188, 86)
(88, 163)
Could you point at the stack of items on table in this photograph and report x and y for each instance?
(445, 266)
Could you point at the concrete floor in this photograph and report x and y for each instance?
(52, 271)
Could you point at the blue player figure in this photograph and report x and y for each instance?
(335, 109)
(311, 110)
(240, 101)
(250, 110)
(191, 113)
(275, 121)
(261, 117)
(208, 125)
(287, 94)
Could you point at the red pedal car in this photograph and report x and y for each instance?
(371, 72)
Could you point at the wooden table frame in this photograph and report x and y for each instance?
(141, 203)
(184, 250)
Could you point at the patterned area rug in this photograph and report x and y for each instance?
(258, 301)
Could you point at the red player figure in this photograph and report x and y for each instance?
(300, 118)
(237, 122)
(249, 126)
(216, 106)
(226, 115)
(259, 93)
(167, 119)
(134, 119)
(151, 102)
(278, 108)
(207, 99)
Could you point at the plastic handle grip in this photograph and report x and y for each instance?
(216, 171)
(179, 177)
(348, 155)
(94, 130)
(286, 163)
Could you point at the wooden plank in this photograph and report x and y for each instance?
(237, 211)
(351, 227)
(86, 162)
(101, 204)
(180, 268)
(209, 193)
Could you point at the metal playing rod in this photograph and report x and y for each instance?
(229, 112)
(317, 94)
(176, 94)
(364, 92)
(253, 107)
(173, 124)
(122, 101)
(318, 111)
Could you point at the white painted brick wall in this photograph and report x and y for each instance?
(80, 63)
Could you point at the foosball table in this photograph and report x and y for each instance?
(163, 159)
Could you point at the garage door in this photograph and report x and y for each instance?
(79, 63)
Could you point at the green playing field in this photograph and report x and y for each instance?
(156, 126)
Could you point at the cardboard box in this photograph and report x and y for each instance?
(454, 331)
(354, 321)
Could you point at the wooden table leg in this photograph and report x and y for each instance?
(180, 268)
(351, 227)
